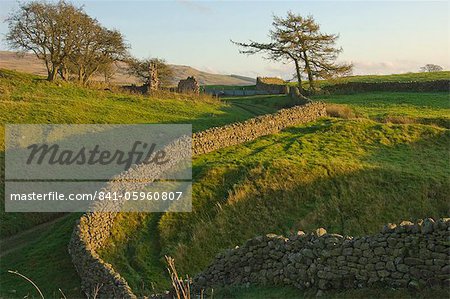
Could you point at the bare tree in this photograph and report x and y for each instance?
(95, 49)
(431, 68)
(146, 69)
(46, 29)
(67, 39)
(298, 39)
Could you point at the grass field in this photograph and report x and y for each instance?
(347, 175)
(350, 176)
(26, 98)
(29, 99)
(400, 107)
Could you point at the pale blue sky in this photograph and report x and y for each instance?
(379, 37)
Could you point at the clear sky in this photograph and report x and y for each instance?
(379, 37)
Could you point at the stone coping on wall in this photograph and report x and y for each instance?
(405, 255)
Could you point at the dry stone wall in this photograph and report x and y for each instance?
(405, 255)
(426, 86)
(93, 229)
(216, 138)
(98, 278)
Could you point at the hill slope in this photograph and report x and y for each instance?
(349, 176)
(26, 98)
(28, 63)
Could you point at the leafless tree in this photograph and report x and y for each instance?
(46, 29)
(67, 39)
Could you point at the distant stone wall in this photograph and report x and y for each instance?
(93, 229)
(407, 255)
(426, 86)
(272, 85)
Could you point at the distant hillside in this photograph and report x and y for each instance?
(30, 64)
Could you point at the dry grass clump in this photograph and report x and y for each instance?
(181, 287)
(340, 111)
(399, 119)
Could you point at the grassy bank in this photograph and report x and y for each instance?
(29, 99)
(26, 98)
(349, 176)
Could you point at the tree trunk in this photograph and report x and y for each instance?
(309, 71)
(51, 74)
(299, 77)
(299, 80)
(80, 74)
(64, 73)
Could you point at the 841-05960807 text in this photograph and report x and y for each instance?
(99, 195)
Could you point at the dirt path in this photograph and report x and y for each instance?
(26, 237)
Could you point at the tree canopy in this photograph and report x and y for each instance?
(68, 40)
(431, 68)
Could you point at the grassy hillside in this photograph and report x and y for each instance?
(42, 255)
(27, 98)
(349, 176)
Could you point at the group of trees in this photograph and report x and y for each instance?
(70, 42)
(75, 46)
